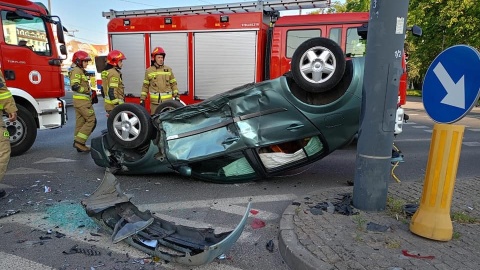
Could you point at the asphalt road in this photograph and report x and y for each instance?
(47, 183)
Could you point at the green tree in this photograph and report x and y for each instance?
(357, 5)
(336, 7)
(444, 24)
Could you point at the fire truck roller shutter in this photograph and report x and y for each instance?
(133, 46)
(223, 61)
(175, 45)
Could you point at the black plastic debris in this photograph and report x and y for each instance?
(59, 235)
(410, 209)
(45, 238)
(89, 252)
(374, 227)
(270, 245)
(343, 205)
(296, 203)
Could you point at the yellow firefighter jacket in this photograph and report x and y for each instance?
(113, 88)
(80, 86)
(160, 82)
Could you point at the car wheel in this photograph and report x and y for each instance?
(168, 106)
(318, 65)
(23, 131)
(130, 125)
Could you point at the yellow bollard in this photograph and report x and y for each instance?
(432, 219)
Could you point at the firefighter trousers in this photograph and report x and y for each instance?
(5, 149)
(85, 120)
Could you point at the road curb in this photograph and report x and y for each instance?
(292, 251)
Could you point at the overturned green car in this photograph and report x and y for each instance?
(251, 132)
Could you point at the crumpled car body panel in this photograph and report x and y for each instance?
(251, 132)
(112, 210)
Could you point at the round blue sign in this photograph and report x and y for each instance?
(452, 84)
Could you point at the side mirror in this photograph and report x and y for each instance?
(60, 35)
(63, 49)
(416, 30)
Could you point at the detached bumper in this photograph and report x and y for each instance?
(112, 210)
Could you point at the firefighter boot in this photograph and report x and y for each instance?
(81, 147)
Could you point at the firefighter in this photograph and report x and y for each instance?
(7, 104)
(159, 81)
(112, 83)
(83, 98)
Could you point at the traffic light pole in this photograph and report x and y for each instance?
(385, 40)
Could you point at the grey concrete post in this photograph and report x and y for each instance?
(385, 40)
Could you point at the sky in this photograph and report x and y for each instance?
(84, 18)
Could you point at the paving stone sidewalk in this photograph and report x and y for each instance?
(336, 241)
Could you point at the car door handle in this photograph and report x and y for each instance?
(295, 126)
(230, 140)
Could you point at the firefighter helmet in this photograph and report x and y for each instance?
(80, 56)
(114, 57)
(157, 51)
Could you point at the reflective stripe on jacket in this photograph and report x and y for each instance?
(160, 82)
(113, 87)
(80, 84)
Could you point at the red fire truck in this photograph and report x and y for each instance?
(215, 48)
(31, 58)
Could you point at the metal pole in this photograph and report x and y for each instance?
(385, 40)
(49, 7)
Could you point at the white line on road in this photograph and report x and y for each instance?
(54, 160)
(227, 205)
(413, 140)
(37, 221)
(23, 170)
(9, 261)
(420, 127)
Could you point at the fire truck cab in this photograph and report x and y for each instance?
(32, 47)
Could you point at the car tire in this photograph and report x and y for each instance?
(23, 131)
(168, 106)
(130, 125)
(318, 65)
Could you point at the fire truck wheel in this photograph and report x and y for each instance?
(23, 131)
(318, 65)
(130, 125)
(168, 106)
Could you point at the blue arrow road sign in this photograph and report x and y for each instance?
(452, 84)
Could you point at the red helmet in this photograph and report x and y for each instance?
(114, 57)
(80, 56)
(157, 51)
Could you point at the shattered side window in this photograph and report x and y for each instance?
(231, 167)
(289, 153)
